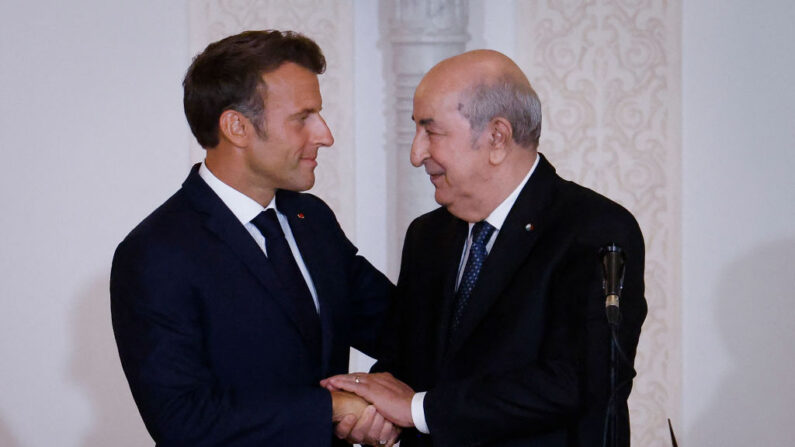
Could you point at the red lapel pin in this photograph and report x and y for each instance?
(300, 215)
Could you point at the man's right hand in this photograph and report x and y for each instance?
(358, 422)
(344, 403)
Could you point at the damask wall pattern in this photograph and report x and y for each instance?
(330, 24)
(607, 73)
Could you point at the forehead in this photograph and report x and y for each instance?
(292, 85)
(431, 100)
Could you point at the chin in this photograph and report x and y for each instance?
(308, 184)
(300, 185)
(440, 199)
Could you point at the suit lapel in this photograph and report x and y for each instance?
(313, 256)
(514, 243)
(220, 221)
(452, 237)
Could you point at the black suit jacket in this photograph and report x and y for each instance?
(529, 364)
(208, 340)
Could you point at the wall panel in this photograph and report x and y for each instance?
(608, 76)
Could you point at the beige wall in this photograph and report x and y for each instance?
(738, 207)
(92, 138)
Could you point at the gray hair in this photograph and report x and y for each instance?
(515, 101)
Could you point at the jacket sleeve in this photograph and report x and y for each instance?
(369, 292)
(157, 321)
(390, 340)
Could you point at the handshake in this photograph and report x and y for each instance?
(369, 408)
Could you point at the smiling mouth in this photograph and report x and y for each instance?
(436, 177)
(434, 171)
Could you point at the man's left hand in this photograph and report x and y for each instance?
(390, 396)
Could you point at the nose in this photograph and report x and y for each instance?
(323, 136)
(419, 148)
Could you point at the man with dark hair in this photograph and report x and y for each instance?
(233, 299)
(499, 318)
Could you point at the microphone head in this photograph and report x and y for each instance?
(613, 258)
(611, 248)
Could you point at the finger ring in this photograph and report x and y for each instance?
(356, 380)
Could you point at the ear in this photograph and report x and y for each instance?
(500, 138)
(235, 127)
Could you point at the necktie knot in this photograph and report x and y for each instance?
(481, 233)
(268, 224)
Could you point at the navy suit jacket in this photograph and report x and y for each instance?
(529, 364)
(208, 340)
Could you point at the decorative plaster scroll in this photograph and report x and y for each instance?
(330, 24)
(420, 33)
(607, 73)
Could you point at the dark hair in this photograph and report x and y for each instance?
(509, 98)
(228, 75)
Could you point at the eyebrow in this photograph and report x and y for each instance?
(424, 121)
(307, 111)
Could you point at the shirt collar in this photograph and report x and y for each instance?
(242, 206)
(497, 217)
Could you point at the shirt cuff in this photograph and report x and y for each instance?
(418, 413)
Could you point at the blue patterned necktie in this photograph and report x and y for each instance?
(481, 233)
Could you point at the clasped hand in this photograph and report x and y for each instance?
(369, 408)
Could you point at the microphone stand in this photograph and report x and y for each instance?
(611, 403)
(613, 268)
(611, 415)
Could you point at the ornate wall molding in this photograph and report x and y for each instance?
(330, 24)
(608, 75)
(420, 33)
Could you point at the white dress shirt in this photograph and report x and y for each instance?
(495, 219)
(245, 209)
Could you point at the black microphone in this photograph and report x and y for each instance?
(613, 269)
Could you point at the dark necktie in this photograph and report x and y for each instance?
(481, 233)
(281, 258)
